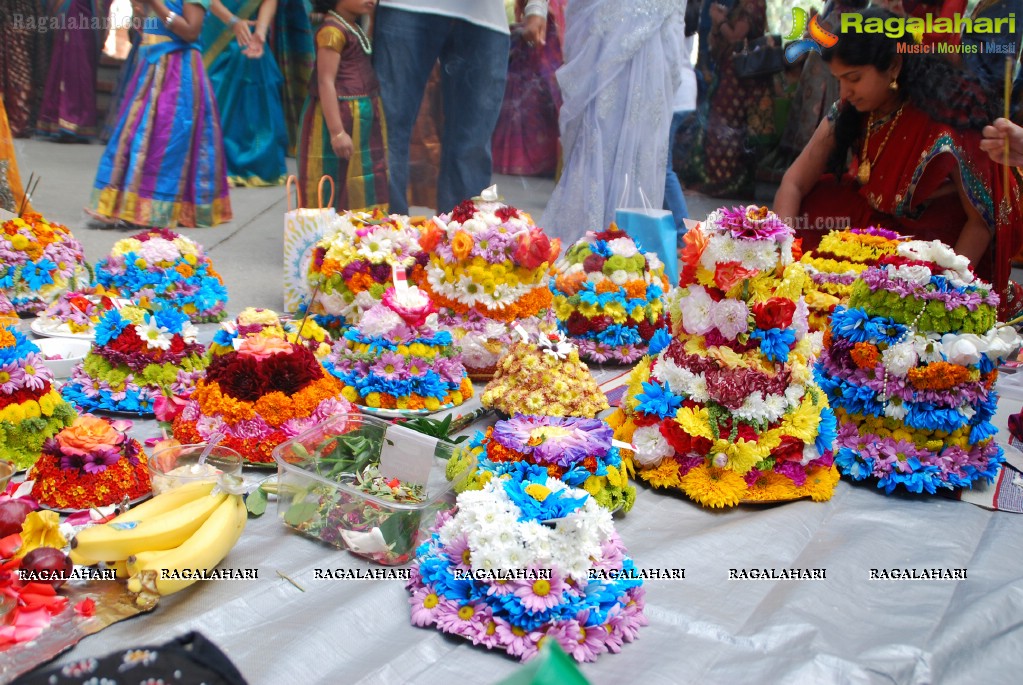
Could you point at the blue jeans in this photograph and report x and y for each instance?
(474, 68)
(674, 200)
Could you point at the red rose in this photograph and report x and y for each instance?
(593, 264)
(534, 249)
(790, 449)
(775, 313)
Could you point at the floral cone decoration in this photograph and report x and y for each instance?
(138, 357)
(837, 262)
(264, 323)
(544, 377)
(496, 574)
(910, 366)
(608, 297)
(397, 358)
(576, 451)
(161, 264)
(267, 390)
(91, 463)
(78, 311)
(31, 410)
(351, 269)
(38, 261)
(728, 411)
(487, 272)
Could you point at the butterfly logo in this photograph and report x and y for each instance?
(819, 38)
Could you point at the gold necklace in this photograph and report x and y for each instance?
(863, 173)
(357, 30)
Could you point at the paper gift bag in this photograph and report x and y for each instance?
(653, 230)
(303, 228)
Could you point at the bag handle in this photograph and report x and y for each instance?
(643, 198)
(319, 191)
(289, 185)
(625, 192)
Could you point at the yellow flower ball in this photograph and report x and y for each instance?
(456, 397)
(373, 400)
(350, 393)
(19, 242)
(432, 403)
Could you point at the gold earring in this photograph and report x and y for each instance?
(894, 85)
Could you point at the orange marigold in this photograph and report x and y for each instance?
(865, 355)
(360, 282)
(636, 289)
(606, 286)
(938, 376)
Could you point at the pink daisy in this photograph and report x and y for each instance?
(540, 594)
(11, 378)
(517, 641)
(458, 553)
(462, 619)
(427, 606)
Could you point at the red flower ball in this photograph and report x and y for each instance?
(774, 313)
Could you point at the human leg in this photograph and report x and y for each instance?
(674, 200)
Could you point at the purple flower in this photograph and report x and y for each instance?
(381, 273)
(352, 268)
(391, 366)
(540, 594)
(554, 440)
(99, 460)
(427, 605)
(11, 377)
(753, 223)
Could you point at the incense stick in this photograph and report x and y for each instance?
(25, 194)
(312, 301)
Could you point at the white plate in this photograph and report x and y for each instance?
(401, 413)
(51, 328)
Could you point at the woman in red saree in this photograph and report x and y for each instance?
(912, 124)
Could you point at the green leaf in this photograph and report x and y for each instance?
(299, 513)
(255, 502)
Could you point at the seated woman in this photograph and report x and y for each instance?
(913, 124)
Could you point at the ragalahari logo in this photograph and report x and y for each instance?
(819, 38)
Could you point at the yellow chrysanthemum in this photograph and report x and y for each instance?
(617, 478)
(713, 487)
(820, 483)
(772, 487)
(803, 422)
(594, 484)
(664, 475)
(695, 421)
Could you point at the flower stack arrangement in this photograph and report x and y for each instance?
(263, 392)
(836, 264)
(91, 463)
(161, 264)
(351, 269)
(728, 412)
(524, 560)
(910, 366)
(38, 261)
(138, 357)
(543, 374)
(31, 409)
(397, 358)
(579, 452)
(78, 311)
(254, 321)
(488, 272)
(608, 297)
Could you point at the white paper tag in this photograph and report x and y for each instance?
(407, 455)
(400, 282)
(622, 445)
(365, 543)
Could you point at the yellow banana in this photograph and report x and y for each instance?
(204, 550)
(118, 541)
(122, 569)
(160, 504)
(143, 559)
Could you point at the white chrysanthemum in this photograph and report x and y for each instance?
(374, 248)
(623, 247)
(801, 319)
(928, 348)
(619, 277)
(378, 322)
(681, 381)
(594, 277)
(651, 447)
(731, 318)
(794, 395)
(653, 262)
(473, 226)
(916, 273)
(900, 358)
(189, 333)
(695, 308)
(1001, 341)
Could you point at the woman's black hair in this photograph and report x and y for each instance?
(323, 6)
(931, 83)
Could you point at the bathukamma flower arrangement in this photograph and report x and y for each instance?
(138, 356)
(487, 272)
(91, 463)
(31, 409)
(728, 411)
(264, 323)
(78, 311)
(528, 559)
(580, 452)
(264, 391)
(161, 264)
(352, 268)
(398, 358)
(910, 366)
(608, 297)
(836, 264)
(38, 261)
(542, 374)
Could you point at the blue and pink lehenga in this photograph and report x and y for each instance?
(164, 165)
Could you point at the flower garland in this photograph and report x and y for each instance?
(161, 264)
(91, 463)
(265, 392)
(352, 268)
(78, 311)
(913, 388)
(31, 410)
(576, 451)
(397, 358)
(138, 356)
(38, 261)
(607, 296)
(728, 411)
(544, 377)
(495, 574)
(490, 260)
(838, 261)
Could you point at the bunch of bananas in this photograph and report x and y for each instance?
(184, 529)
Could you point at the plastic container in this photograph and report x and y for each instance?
(172, 467)
(319, 493)
(61, 354)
